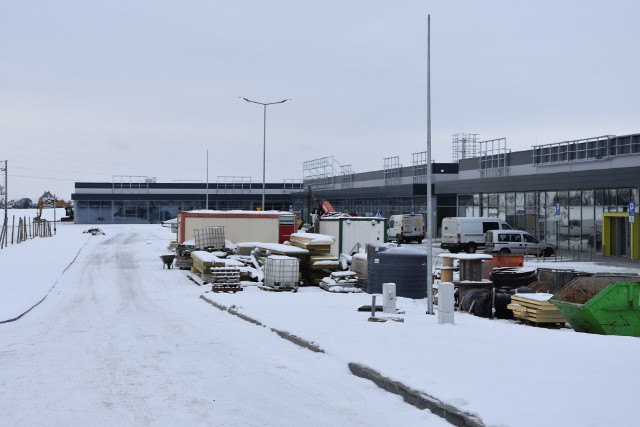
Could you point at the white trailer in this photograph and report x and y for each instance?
(240, 226)
(351, 231)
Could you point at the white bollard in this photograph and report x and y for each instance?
(445, 302)
(388, 297)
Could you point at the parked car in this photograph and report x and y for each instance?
(406, 228)
(515, 242)
(467, 233)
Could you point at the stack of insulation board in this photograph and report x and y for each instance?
(535, 308)
(320, 263)
(263, 250)
(203, 261)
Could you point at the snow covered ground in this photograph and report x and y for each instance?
(119, 340)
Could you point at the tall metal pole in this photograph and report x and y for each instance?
(429, 202)
(264, 140)
(6, 193)
(54, 214)
(206, 205)
(264, 154)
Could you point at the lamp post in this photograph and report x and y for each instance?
(264, 139)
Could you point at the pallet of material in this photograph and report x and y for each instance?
(535, 308)
(266, 249)
(313, 242)
(203, 261)
(341, 281)
(327, 264)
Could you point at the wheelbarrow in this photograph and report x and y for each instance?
(167, 260)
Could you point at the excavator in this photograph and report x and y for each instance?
(47, 199)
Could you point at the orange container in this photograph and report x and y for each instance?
(506, 261)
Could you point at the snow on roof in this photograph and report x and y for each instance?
(247, 244)
(414, 250)
(535, 297)
(236, 212)
(315, 237)
(279, 247)
(466, 256)
(206, 256)
(516, 269)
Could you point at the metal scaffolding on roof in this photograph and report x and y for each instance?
(420, 167)
(324, 173)
(493, 158)
(465, 146)
(392, 168)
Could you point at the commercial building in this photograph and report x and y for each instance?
(577, 194)
(139, 199)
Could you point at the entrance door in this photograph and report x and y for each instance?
(622, 237)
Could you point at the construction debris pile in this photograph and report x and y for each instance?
(319, 263)
(304, 261)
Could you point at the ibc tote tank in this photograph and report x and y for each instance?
(406, 267)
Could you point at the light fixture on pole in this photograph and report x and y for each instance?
(264, 139)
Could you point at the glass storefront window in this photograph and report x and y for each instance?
(562, 197)
(575, 197)
(624, 197)
(611, 198)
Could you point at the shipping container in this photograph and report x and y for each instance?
(349, 232)
(240, 226)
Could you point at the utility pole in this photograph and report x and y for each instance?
(429, 202)
(6, 196)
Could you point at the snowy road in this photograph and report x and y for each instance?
(121, 341)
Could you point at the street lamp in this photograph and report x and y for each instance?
(264, 139)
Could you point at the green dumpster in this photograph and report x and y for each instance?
(601, 304)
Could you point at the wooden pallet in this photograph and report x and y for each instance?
(534, 308)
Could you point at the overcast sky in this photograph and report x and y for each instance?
(93, 89)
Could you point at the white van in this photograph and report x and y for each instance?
(406, 228)
(515, 242)
(467, 233)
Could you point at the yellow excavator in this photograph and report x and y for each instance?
(48, 200)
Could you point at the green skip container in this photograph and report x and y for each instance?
(601, 304)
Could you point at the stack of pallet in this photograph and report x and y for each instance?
(223, 279)
(223, 275)
(263, 250)
(535, 308)
(341, 281)
(319, 263)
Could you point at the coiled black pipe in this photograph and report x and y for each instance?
(512, 277)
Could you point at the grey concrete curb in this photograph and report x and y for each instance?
(298, 341)
(231, 310)
(283, 334)
(413, 397)
(418, 399)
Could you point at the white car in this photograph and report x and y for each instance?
(515, 242)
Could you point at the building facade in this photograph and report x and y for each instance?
(142, 200)
(575, 194)
(565, 193)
